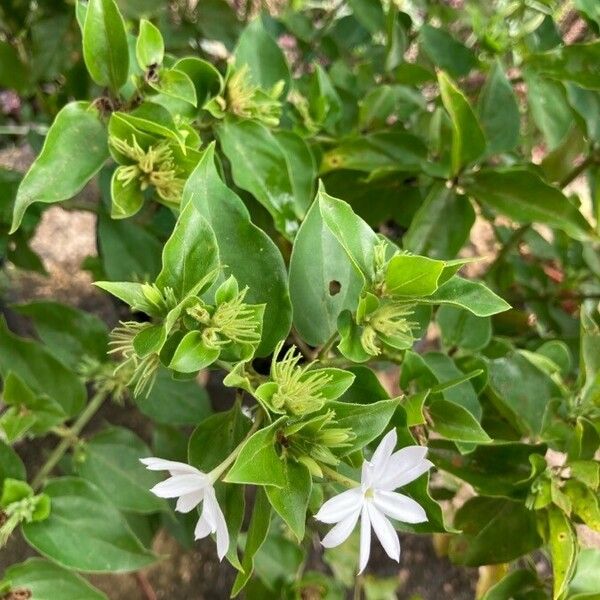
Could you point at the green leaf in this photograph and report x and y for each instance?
(173, 402)
(446, 52)
(523, 196)
(257, 533)
(257, 49)
(501, 126)
(470, 295)
(127, 199)
(258, 462)
(60, 172)
(190, 256)
(323, 282)
(105, 49)
(386, 150)
(206, 79)
(263, 166)
(442, 224)
(500, 469)
(585, 503)
(563, 547)
(463, 329)
(587, 574)
(149, 48)
(47, 581)
(36, 365)
(468, 140)
(70, 332)
(11, 465)
(494, 531)
(248, 252)
(192, 354)
(16, 76)
(574, 62)
(517, 584)
(93, 535)
(524, 404)
(291, 501)
(354, 235)
(412, 276)
(176, 84)
(366, 421)
(455, 422)
(111, 460)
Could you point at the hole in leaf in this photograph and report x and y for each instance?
(334, 287)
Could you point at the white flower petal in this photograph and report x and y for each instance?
(340, 532)
(397, 478)
(366, 474)
(365, 540)
(220, 525)
(382, 453)
(179, 485)
(339, 507)
(175, 468)
(203, 528)
(399, 507)
(385, 532)
(188, 502)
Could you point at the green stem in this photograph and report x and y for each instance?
(324, 351)
(222, 467)
(90, 410)
(338, 477)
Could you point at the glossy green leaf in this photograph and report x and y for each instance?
(494, 530)
(47, 581)
(412, 276)
(563, 548)
(523, 196)
(111, 460)
(442, 224)
(149, 48)
(246, 250)
(446, 52)
(93, 535)
(468, 140)
(257, 533)
(258, 462)
(586, 579)
(60, 172)
(105, 47)
(262, 166)
(190, 255)
(454, 422)
(257, 49)
(501, 126)
(470, 295)
(520, 583)
(11, 466)
(291, 500)
(525, 404)
(177, 84)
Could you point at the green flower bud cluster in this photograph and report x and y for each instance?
(188, 335)
(18, 504)
(242, 98)
(298, 390)
(315, 441)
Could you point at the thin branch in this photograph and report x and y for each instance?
(145, 586)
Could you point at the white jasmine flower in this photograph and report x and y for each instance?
(375, 501)
(191, 486)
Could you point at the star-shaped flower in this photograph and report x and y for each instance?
(191, 486)
(375, 501)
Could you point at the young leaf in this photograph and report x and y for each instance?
(412, 276)
(468, 141)
(11, 466)
(149, 48)
(176, 84)
(60, 172)
(105, 48)
(564, 548)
